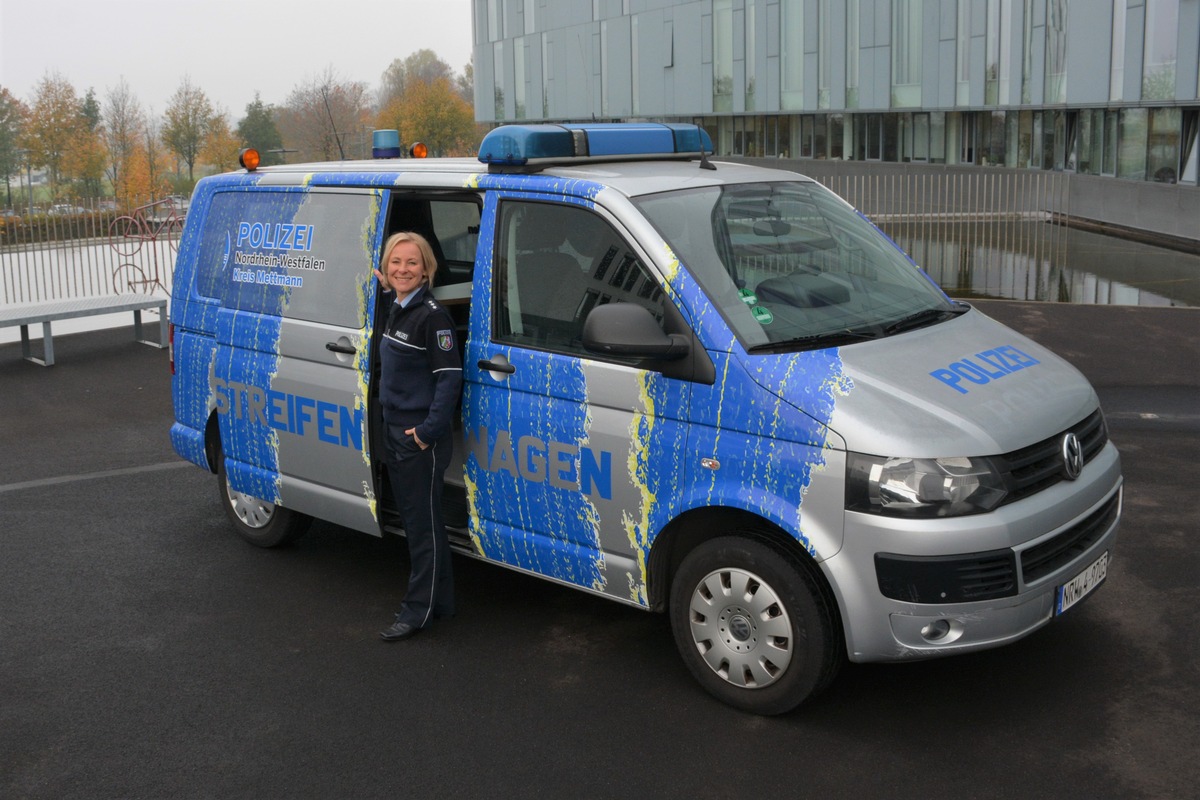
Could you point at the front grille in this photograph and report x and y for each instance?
(947, 579)
(1039, 466)
(1039, 561)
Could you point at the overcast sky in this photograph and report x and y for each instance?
(229, 48)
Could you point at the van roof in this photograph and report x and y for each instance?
(631, 178)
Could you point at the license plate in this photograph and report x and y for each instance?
(1082, 584)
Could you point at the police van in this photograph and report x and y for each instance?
(703, 388)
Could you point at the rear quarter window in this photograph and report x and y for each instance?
(299, 254)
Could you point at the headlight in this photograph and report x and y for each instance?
(922, 487)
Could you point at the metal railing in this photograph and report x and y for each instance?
(72, 252)
(936, 216)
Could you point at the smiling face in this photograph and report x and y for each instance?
(405, 268)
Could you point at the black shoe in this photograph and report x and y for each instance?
(399, 632)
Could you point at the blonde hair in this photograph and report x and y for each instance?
(422, 244)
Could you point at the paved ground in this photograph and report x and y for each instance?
(147, 652)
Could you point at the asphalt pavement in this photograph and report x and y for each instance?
(146, 651)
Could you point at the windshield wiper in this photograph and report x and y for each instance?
(922, 318)
(812, 341)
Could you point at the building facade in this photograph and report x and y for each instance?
(1106, 88)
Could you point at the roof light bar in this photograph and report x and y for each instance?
(526, 147)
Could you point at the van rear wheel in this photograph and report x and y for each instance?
(753, 626)
(259, 522)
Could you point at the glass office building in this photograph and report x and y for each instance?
(1095, 87)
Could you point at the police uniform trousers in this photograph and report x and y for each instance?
(417, 477)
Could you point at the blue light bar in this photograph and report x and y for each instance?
(385, 144)
(525, 146)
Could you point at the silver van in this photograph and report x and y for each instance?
(703, 388)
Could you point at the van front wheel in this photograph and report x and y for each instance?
(752, 625)
(260, 523)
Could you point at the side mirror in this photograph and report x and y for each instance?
(627, 329)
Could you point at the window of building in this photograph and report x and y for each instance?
(1189, 154)
(992, 138)
(751, 58)
(991, 65)
(1158, 66)
(493, 21)
(784, 135)
(806, 137)
(1131, 143)
(529, 10)
(920, 138)
(968, 137)
(519, 78)
(1027, 53)
(1089, 141)
(498, 73)
(1012, 135)
(937, 137)
(1162, 145)
(1056, 145)
(791, 55)
(836, 136)
(1116, 81)
(722, 26)
(1112, 121)
(546, 80)
(907, 35)
(1056, 51)
(962, 95)
(824, 51)
(851, 53)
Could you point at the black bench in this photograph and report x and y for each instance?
(47, 312)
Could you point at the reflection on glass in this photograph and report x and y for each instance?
(1023, 260)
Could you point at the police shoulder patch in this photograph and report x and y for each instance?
(445, 340)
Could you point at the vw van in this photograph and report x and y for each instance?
(700, 388)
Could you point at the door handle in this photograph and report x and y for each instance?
(341, 348)
(497, 366)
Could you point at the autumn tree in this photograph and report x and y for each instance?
(464, 83)
(12, 157)
(185, 124)
(325, 118)
(258, 130)
(435, 114)
(422, 66)
(53, 123)
(86, 156)
(221, 144)
(124, 134)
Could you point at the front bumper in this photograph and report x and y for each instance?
(1045, 539)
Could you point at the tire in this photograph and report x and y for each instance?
(753, 626)
(126, 234)
(260, 523)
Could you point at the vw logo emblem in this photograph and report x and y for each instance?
(1072, 456)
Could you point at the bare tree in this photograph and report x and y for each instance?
(325, 118)
(12, 121)
(124, 132)
(186, 122)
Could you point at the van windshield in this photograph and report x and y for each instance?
(790, 266)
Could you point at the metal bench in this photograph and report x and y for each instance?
(45, 313)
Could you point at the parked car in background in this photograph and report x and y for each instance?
(65, 209)
(9, 221)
